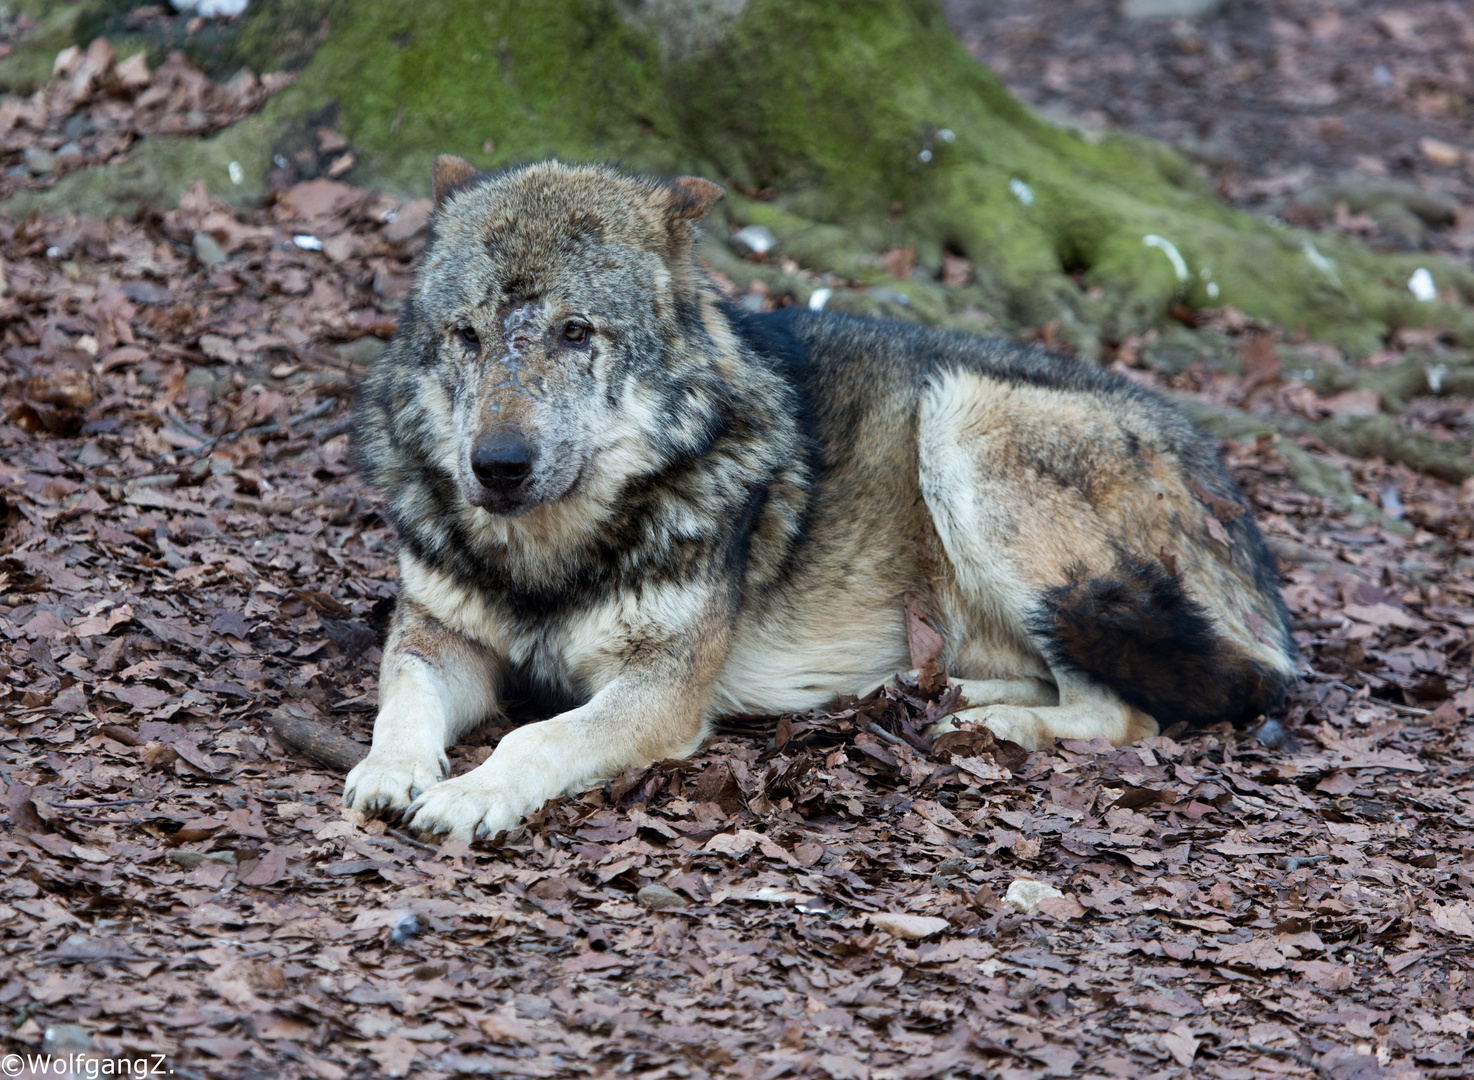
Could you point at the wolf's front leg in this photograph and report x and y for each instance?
(434, 685)
(656, 707)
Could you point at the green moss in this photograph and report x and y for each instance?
(29, 64)
(530, 79)
(276, 35)
(1311, 473)
(156, 173)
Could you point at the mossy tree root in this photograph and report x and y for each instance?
(1386, 437)
(1311, 474)
(869, 121)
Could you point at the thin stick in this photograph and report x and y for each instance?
(99, 805)
(1407, 710)
(406, 838)
(317, 741)
(875, 729)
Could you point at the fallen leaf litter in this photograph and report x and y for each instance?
(188, 564)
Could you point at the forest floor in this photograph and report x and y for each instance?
(187, 558)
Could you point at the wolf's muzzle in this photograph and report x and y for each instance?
(501, 462)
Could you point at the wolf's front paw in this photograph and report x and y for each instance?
(386, 783)
(465, 808)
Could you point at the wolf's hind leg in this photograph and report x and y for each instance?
(1086, 710)
(1071, 524)
(434, 685)
(978, 694)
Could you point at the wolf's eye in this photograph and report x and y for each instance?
(469, 337)
(576, 333)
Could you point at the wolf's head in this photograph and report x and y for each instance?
(554, 318)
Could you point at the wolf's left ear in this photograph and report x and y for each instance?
(692, 197)
(449, 174)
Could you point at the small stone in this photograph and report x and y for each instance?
(1169, 9)
(758, 239)
(208, 250)
(202, 377)
(1422, 286)
(657, 897)
(147, 292)
(1439, 152)
(63, 1039)
(409, 925)
(40, 162)
(914, 927)
(1024, 895)
(191, 859)
(218, 9)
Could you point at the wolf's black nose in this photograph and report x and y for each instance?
(501, 462)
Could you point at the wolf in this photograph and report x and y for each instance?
(630, 508)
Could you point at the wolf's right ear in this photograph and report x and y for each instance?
(691, 197)
(449, 174)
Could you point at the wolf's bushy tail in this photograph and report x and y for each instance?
(1137, 632)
